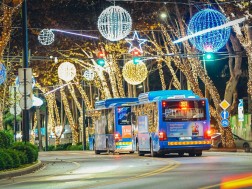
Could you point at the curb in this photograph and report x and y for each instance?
(22, 171)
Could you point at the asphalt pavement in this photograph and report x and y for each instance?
(38, 165)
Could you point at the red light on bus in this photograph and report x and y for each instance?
(183, 105)
(207, 134)
(117, 136)
(163, 103)
(162, 136)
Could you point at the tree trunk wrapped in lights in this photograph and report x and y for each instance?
(74, 127)
(8, 8)
(161, 74)
(53, 114)
(84, 96)
(72, 92)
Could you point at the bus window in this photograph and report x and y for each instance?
(124, 115)
(192, 110)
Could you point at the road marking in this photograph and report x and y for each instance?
(237, 183)
(167, 168)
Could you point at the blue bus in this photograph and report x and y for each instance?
(112, 125)
(171, 121)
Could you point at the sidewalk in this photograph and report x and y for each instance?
(228, 150)
(19, 172)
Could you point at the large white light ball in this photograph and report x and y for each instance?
(134, 74)
(66, 71)
(114, 23)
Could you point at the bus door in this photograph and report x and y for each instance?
(123, 129)
(143, 133)
(100, 135)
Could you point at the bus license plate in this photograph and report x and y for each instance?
(185, 138)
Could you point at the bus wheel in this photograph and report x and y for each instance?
(153, 154)
(96, 151)
(139, 152)
(107, 147)
(191, 154)
(198, 153)
(181, 154)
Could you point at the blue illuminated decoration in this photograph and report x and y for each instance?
(2, 73)
(136, 43)
(213, 40)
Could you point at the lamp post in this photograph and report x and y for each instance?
(206, 56)
(84, 143)
(25, 117)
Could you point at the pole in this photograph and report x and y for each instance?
(25, 117)
(46, 122)
(204, 64)
(84, 142)
(15, 113)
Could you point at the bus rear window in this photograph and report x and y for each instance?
(124, 115)
(186, 110)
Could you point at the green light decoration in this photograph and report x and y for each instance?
(100, 62)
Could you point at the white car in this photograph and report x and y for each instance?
(239, 142)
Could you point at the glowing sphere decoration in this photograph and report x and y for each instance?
(211, 41)
(114, 23)
(46, 37)
(66, 71)
(89, 75)
(134, 74)
(2, 73)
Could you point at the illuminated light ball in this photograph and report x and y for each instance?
(66, 71)
(211, 41)
(89, 75)
(134, 74)
(2, 73)
(114, 23)
(46, 37)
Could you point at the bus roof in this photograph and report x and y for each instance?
(114, 102)
(166, 94)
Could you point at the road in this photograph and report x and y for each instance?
(125, 171)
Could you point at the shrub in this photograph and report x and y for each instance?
(75, 147)
(23, 157)
(50, 148)
(62, 146)
(6, 139)
(15, 157)
(2, 163)
(32, 155)
(7, 158)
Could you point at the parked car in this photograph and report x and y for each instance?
(239, 142)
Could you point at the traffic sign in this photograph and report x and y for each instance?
(28, 102)
(240, 104)
(18, 110)
(224, 114)
(224, 104)
(224, 123)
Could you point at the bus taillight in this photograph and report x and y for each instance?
(117, 137)
(207, 134)
(162, 136)
(163, 103)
